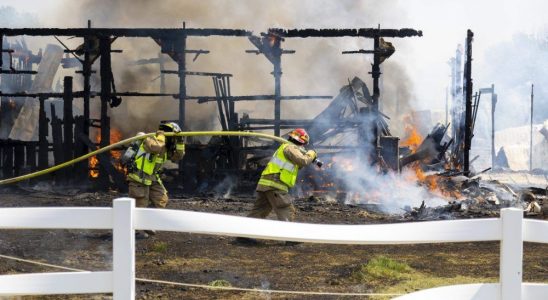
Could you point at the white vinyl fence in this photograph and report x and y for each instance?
(123, 218)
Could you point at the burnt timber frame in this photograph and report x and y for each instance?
(468, 88)
(173, 42)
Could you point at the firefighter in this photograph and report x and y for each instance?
(143, 176)
(278, 177)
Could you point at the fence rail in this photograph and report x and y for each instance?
(123, 218)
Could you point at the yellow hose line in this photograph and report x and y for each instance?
(135, 138)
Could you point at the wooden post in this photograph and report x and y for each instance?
(531, 133)
(277, 62)
(31, 156)
(181, 63)
(8, 160)
(123, 249)
(106, 88)
(80, 169)
(493, 107)
(57, 136)
(468, 121)
(19, 159)
(68, 121)
(43, 144)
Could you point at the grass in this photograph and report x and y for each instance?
(159, 247)
(381, 270)
(219, 282)
(391, 276)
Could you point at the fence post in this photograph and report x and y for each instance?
(123, 249)
(511, 253)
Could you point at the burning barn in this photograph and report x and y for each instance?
(42, 126)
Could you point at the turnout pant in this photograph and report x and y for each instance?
(154, 195)
(279, 201)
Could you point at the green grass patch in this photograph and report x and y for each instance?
(382, 269)
(220, 282)
(386, 275)
(159, 247)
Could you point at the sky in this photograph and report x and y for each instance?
(423, 60)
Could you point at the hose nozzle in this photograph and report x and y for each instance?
(318, 162)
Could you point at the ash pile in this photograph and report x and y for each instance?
(481, 198)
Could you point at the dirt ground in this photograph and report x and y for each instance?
(201, 259)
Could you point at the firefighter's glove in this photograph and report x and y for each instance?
(312, 154)
(160, 133)
(180, 147)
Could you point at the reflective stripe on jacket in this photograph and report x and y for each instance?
(278, 164)
(146, 166)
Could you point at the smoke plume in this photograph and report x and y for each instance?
(317, 67)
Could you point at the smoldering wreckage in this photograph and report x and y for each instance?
(433, 173)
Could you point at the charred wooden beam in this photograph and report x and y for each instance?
(68, 123)
(57, 136)
(42, 136)
(19, 159)
(468, 87)
(81, 168)
(531, 129)
(86, 73)
(192, 73)
(81, 94)
(358, 32)
(7, 161)
(273, 122)
(30, 151)
(125, 32)
(106, 90)
(180, 48)
(202, 99)
(15, 72)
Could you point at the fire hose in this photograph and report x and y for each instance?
(136, 138)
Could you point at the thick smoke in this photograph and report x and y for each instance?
(392, 191)
(318, 67)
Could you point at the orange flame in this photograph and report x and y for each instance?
(115, 136)
(413, 139)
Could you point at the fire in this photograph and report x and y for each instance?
(436, 184)
(93, 161)
(431, 181)
(115, 136)
(413, 139)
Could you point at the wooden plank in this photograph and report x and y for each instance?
(26, 124)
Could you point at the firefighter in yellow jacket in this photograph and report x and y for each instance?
(280, 175)
(144, 180)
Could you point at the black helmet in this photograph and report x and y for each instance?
(170, 127)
